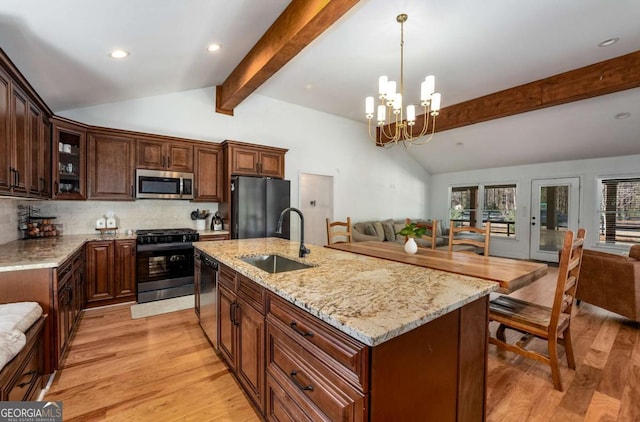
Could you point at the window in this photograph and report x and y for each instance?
(497, 205)
(620, 210)
(500, 209)
(464, 202)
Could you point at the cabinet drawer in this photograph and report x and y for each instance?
(350, 356)
(309, 381)
(227, 277)
(282, 408)
(24, 383)
(253, 293)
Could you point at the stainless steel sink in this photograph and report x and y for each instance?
(274, 263)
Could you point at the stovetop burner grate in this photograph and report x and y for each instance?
(163, 232)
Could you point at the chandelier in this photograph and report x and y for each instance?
(393, 125)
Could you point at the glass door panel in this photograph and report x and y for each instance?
(554, 210)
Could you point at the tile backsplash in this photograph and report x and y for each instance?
(8, 220)
(79, 217)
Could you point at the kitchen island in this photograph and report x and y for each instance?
(362, 337)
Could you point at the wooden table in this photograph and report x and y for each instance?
(512, 274)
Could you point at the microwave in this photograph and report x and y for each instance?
(159, 184)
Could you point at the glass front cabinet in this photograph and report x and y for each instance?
(69, 157)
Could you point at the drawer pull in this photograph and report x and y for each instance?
(303, 387)
(303, 333)
(30, 373)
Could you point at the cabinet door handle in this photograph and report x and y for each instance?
(17, 174)
(55, 189)
(13, 172)
(234, 318)
(168, 162)
(133, 194)
(294, 376)
(294, 326)
(231, 313)
(32, 374)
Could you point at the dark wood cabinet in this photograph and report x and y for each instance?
(39, 163)
(208, 174)
(19, 134)
(241, 331)
(6, 142)
(69, 302)
(226, 326)
(45, 159)
(256, 160)
(211, 236)
(125, 269)
(69, 160)
(35, 147)
(164, 155)
(100, 271)
(111, 267)
(312, 366)
(111, 166)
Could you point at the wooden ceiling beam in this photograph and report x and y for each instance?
(298, 25)
(606, 77)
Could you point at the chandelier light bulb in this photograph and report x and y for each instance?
(391, 92)
(435, 103)
(411, 115)
(397, 103)
(382, 112)
(368, 106)
(382, 87)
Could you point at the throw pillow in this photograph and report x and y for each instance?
(370, 230)
(377, 225)
(389, 232)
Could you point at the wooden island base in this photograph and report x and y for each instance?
(436, 372)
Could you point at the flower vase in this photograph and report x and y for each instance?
(411, 246)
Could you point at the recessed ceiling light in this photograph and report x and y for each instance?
(308, 86)
(214, 47)
(610, 41)
(622, 116)
(118, 54)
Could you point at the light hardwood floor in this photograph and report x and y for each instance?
(163, 368)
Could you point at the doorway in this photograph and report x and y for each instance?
(316, 203)
(554, 210)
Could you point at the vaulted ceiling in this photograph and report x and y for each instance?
(473, 48)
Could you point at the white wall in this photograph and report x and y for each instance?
(587, 170)
(370, 182)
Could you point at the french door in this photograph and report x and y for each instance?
(554, 210)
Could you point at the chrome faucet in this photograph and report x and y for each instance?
(303, 249)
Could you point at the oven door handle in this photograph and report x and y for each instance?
(164, 247)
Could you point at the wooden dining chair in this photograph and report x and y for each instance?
(534, 320)
(432, 229)
(343, 235)
(469, 244)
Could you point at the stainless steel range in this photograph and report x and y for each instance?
(164, 263)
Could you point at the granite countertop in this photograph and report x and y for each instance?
(369, 299)
(47, 252)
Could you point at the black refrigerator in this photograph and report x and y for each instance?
(256, 204)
